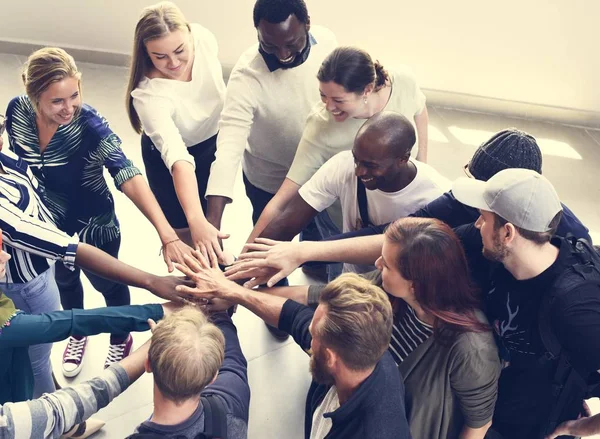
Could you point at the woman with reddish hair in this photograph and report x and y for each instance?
(441, 340)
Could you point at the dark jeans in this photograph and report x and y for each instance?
(160, 179)
(71, 289)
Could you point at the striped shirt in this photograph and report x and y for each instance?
(407, 335)
(55, 413)
(28, 230)
(71, 169)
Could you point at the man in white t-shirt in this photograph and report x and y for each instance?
(270, 92)
(394, 184)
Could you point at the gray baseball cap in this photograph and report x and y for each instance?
(521, 196)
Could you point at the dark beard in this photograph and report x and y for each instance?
(319, 371)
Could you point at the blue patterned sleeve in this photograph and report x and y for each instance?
(109, 151)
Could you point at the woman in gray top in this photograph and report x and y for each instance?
(441, 341)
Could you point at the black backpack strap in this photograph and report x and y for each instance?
(363, 208)
(215, 417)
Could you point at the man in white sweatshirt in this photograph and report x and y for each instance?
(270, 92)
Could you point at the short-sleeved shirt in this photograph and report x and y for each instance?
(337, 180)
(512, 307)
(323, 137)
(70, 169)
(179, 114)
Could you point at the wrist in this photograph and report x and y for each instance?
(168, 237)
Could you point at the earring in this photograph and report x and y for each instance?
(365, 100)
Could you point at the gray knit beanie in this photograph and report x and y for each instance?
(510, 148)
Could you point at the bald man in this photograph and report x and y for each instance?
(377, 182)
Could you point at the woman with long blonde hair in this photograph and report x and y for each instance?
(174, 99)
(67, 144)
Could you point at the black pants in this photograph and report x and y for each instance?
(160, 179)
(259, 200)
(71, 288)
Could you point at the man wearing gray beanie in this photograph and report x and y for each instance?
(509, 148)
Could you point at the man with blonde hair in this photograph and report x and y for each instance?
(357, 390)
(200, 378)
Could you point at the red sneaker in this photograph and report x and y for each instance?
(72, 361)
(116, 352)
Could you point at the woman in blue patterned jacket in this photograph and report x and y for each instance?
(67, 145)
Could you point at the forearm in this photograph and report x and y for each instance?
(582, 427)
(30, 329)
(137, 190)
(474, 433)
(106, 266)
(364, 250)
(216, 207)
(422, 125)
(186, 188)
(266, 306)
(298, 293)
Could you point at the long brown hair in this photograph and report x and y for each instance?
(431, 256)
(155, 22)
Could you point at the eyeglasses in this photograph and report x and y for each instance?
(2, 124)
(467, 172)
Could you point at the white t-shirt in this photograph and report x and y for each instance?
(263, 117)
(321, 425)
(336, 180)
(178, 114)
(323, 137)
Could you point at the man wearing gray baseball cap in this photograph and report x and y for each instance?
(524, 262)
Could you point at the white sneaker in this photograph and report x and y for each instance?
(73, 356)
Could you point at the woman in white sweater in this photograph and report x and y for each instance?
(174, 98)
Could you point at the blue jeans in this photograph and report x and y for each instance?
(37, 296)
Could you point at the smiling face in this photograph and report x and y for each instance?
(341, 103)
(172, 55)
(60, 102)
(285, 40)
(375, 163)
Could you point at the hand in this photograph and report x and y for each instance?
(267, 261)
(170, 307)
(584, 425)
(4, 258)
(165, 288)
(206, 237)
(174, 251)
(216, 305)
(210, 281)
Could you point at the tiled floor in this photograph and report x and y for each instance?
(278, 372)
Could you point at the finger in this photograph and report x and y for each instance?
(255, 282)
(202, 250)
(185, 270)
(216, 248)
(245, 274)
(152, 325)
(222, 235)
(253, 255)
(199, 260)
(253, 247)
(214, 259)
(194, 293)
(276, 278)
(269, 242)
(169, 263)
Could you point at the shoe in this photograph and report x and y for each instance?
(85, 429)
(277, 333)
(116, 352)
(73, 356)
(318, 272)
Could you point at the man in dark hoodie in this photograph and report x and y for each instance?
(357, 390)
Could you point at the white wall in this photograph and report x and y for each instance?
(534, 51)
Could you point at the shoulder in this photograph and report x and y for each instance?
(429, 173)
(319, 117)
(202, 35)
(91, 119)
(20, 109)
(250, 63)
(475, 351)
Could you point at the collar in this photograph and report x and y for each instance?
(273, 63)
(370, 389)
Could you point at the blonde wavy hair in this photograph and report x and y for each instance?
(155, 22)
(45, 67)
(358, 321)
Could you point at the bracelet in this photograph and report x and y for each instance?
(162, 249)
